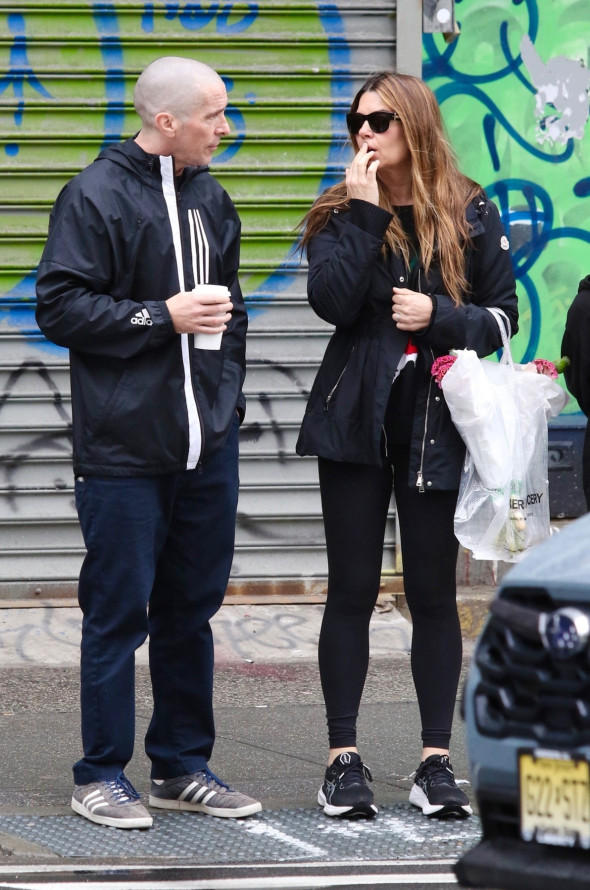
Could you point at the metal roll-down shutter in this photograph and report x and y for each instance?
(67, 75)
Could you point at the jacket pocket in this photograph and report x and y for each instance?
(209, 365)
(110, 407)
(217, 415)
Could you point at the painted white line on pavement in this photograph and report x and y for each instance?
(302, 882)
(263, 828)
(89, 868)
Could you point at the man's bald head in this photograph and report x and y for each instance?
(172, 84)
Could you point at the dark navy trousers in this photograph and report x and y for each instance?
(159, 554)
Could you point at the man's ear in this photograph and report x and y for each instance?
(166, 123)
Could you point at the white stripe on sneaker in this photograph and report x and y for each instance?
(187, 791)
(198, 796)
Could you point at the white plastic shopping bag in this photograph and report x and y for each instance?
(481, 399)
(501, 412)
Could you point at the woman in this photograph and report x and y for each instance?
(404, 257)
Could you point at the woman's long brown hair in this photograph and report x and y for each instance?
(440, 191)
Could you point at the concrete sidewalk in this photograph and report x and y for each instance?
(271, 743)
(242, 633)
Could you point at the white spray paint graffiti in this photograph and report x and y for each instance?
(260, 634)
(562, 87)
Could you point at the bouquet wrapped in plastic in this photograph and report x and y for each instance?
(501, 412)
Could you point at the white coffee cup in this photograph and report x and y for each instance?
(210, 341)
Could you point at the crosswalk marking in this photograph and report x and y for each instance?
(303, 882)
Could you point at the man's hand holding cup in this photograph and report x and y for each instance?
(205, 312)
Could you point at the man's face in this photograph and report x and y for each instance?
(199, 135)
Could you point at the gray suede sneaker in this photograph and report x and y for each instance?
(113, 802)
(202, 792)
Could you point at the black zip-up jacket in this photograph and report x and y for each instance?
(350, 285)
(576, 345)
(124, 236)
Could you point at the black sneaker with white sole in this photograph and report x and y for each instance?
(345, 793)
(435, 790)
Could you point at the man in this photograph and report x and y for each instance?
(155, 426)
(576, 346)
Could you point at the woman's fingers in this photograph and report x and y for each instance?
(411, 310)
(361, 176)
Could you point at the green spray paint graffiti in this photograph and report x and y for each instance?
(501, 87)
(67, 91)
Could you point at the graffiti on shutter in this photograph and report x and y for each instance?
(67, 73)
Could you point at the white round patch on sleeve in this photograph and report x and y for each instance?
(504, 243)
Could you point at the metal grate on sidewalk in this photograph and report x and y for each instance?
(279, 836)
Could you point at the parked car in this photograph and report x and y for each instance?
(526, 706)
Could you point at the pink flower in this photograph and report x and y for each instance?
(545, 367)
(440, 366)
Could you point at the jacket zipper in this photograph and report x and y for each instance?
(336, 385)
(420, 476)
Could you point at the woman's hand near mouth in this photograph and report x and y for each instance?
(361, 176)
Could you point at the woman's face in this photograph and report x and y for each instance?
(391, 148)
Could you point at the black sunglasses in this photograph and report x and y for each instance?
(379, 121)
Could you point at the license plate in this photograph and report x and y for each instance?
(554, 798)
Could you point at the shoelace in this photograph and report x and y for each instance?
(440, 770)
(122, 789)
(210, 777)
(354, 774)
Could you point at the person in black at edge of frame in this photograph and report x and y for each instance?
(405, 256)
(155, 429)
(576, 346)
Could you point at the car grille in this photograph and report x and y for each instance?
(500, 818)
(525, 690)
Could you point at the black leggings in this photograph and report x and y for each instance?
(355, 501)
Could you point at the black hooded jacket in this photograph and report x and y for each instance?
(350, 285)
(576, 346)
(125, 235)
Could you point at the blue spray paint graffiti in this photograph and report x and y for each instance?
(496, 116)
(107, 25)
(20, 73)
(495, 92)
(340, 83)
(227, 19)
(193, 17)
